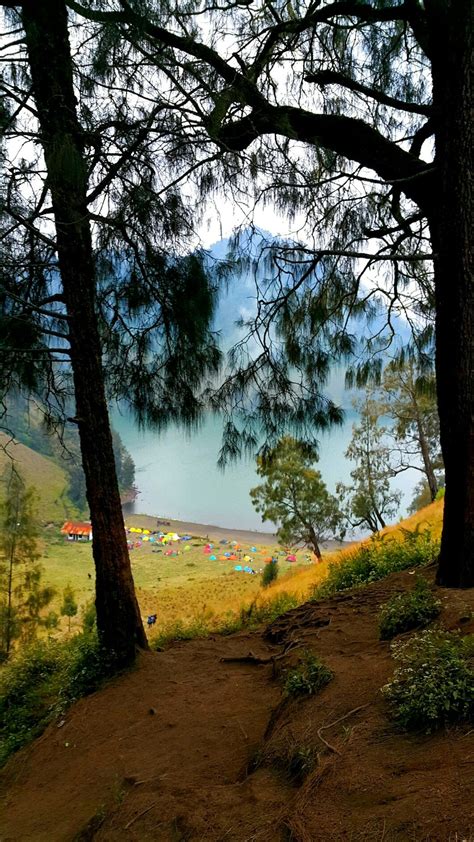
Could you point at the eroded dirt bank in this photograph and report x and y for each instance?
(191, 747)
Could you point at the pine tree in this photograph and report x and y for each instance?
(294, 496)
(95, 314)
(69, 607)
(22, 598)
(409, 398)
(369, 502)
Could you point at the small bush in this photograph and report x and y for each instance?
(407, 611)
(308, 678)
(89, 618)
(301, 761)
(434, 682)
(375, 560)
(41, 681)
(295, 759)
(270, 573)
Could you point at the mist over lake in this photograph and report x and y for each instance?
(176, 471)
(177, 474)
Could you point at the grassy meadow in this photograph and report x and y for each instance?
(190, 586)
(180, 587)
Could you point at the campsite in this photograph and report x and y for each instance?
(179, 580)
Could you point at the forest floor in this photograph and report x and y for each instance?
(189, 746)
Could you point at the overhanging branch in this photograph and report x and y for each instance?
(347, 136)
(330, 77)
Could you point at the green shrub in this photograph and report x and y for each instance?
(41, 681)
(296, 759)
(89, 618)
(270, 573)
(434, 682)
(373, 561)
(308, 677)
(301, 760)
(407, 611)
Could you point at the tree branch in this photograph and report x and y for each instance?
(347, 136)
(330, 77)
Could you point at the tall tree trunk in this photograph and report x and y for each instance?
(118, 617)
(425, 451)
(314, 542)
(451, 227)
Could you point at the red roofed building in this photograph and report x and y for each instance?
(77, 531)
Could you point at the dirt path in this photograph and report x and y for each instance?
(188, 747)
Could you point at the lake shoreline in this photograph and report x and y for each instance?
(214, 533)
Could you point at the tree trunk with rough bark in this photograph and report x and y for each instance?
(118, 617)
(314, 542)
(451, 228)
(425, 454)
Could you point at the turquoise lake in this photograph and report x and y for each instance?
(177, 475)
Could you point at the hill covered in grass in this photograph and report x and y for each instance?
(50, 481)
(313, 727)
(302, 581)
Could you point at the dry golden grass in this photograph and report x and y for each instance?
(301, 581)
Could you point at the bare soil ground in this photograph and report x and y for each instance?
(190, 747)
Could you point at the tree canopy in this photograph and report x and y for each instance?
(294, 496)
(352, 117)
(356, 114)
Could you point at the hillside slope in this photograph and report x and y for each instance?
(189, 746)
(300, 581)
(49, 480)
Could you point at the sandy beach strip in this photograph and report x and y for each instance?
(214, 533)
